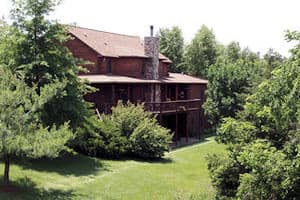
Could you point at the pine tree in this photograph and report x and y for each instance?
(37, 52)
(21, 130)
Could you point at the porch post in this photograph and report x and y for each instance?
(176, 130)
(113, 94)
(166, 92)
(186, 127)
(128, 92)
(176, 95)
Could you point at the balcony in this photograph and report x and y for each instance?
(173, 106)
(161, 107)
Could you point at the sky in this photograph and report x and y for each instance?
(257, 24)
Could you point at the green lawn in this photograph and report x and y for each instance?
(182, 173)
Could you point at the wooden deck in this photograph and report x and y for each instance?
(161, 107)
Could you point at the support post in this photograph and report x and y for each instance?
(113, 94)
(166, 92)
(176, 95)
(176, 131)
(128, 93)
(186, 128)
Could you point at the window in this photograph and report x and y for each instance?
(109, 66)
(143, 68)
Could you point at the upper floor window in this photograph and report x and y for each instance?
(109, 66)
(144, 68)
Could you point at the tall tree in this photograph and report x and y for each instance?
(229, 81)
(202, 52)
(21, 130)
(227, 87)
(37, 52)
(263, 140)
(172, 46)
(273, 60)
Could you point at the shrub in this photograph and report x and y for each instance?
(224, 175)
(128, 116)
(150, 140)
(129, 130)
(114, 144)
(100, 138)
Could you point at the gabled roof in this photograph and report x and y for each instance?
(172, 78)
(111, 44)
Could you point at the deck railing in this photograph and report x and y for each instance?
(173, 106)
(161, 107)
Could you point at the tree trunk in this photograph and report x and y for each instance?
(6, 170)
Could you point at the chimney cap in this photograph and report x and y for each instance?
(151, 30)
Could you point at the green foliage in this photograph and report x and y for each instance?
(21, 130)
(227, 86)
(33, 47)
(201, 53)
(100, 138)
(149, 140)
(273, 60)
(114, 143)
(272, 174)
(127, 117)
(235, 75)
(224, 174)
(129, 130)
(274, 107)
(264, 139)
(233, 131)
(172, 46)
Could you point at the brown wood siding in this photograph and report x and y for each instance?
(124, 66)
(81, 50)
(163, 69)
(128, 67)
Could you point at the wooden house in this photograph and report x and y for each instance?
(126, 68)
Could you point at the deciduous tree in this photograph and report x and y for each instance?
(172, 46)
(201, 52)
(263, 140)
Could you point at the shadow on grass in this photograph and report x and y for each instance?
(25, 189)
(143, 160)
(77, 165)
(202, 139)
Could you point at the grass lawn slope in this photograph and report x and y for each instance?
(181, 174)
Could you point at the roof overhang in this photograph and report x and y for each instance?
(173, 78)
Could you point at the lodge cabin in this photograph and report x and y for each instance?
(125, 68)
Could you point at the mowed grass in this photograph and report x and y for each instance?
(182, 173)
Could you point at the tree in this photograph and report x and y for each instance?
(263, 140)
(21, 131)
(227, 86)
(273, 60)
(34, 48)
(229, 80)
(172, 46)
(201, 53)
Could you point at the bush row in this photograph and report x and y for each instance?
(128, 131)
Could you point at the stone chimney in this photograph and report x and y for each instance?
(151, 45)
(152, 51)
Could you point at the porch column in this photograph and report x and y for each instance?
(166, 92)
(186, 127)
(128, 92)
(113, 94)
(176, 130)
(176, 95)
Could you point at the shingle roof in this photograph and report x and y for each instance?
(111, 44)
(172, 78)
